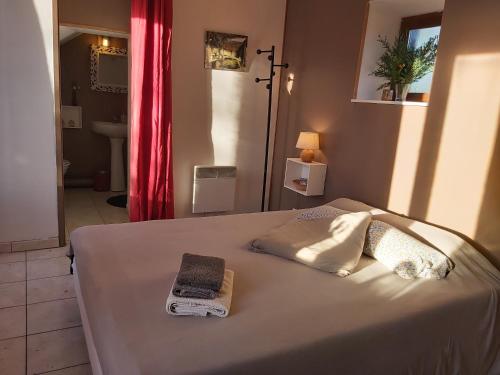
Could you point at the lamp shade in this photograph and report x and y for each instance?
(308, 141)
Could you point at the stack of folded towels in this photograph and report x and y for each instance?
(203, 287)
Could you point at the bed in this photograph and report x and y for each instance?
(285, 318)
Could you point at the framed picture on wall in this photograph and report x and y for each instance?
(225, 51)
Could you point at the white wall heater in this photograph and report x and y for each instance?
(214, 188)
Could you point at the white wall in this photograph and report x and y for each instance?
(28, 194)
(219, 117)
(384, 20)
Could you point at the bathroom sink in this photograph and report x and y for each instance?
(110, 129)
(117, 133)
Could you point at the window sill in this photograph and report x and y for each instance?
(414, 104)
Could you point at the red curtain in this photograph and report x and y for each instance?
(151, 183)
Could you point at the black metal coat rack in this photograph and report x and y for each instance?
(269, 87)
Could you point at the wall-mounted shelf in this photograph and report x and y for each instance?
(415, 104)
(71, 117)
(314, 173)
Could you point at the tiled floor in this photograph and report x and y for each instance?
(40, 326)
(88, 207)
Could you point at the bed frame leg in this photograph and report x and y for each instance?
(71, 257)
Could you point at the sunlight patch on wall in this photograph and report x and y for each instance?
(44, 12)
(467, 144)
(227, 99)
(406, 160)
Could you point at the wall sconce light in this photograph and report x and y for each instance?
(289, 83)
(105, 41)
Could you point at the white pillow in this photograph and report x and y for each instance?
(329, 244)
(404, 254)
(320, 212)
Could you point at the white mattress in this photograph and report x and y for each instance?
(285, 317)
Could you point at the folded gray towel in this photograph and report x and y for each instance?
(199, 276)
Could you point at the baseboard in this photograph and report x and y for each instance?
(5, 247)
(31, 245)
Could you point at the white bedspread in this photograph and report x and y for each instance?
(285, 318)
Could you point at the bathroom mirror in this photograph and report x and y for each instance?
(108, 69)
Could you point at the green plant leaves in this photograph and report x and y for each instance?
(404, 64)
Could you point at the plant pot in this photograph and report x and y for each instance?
(402, 91)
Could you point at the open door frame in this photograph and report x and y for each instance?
(57, 104)
(58, 126)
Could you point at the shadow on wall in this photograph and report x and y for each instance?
(488, 221)
(455, 180)
(28, 193)
(233, 133)
(457, 183)
(440, 164)
(357, 141)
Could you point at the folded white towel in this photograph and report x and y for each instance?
(202, 307)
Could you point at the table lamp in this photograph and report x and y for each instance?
(308, 142)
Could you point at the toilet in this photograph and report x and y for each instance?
(66, 165)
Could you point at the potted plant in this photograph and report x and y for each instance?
(401, 64)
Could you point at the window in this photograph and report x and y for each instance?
(417, 21)
(418, 30)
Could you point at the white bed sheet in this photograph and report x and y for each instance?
(285, 317)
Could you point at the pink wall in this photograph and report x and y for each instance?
(439, 164)
(108, 14)
(220, 117)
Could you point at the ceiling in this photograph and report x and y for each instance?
(67, 33)
(413, 7)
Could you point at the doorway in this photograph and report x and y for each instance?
(93, 86)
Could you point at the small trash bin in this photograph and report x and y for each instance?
(101, 181)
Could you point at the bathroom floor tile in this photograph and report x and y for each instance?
(77, 197)
(49, 316)
(12, 257)
(88, 207)
(12, 294)
(50, 289)
(75, 370)
(71, 226)
(80, 209)
(113, 215)
(109, 214)
(12, 322)
(40, 268)
(13, 356)
(56, 350)
(12, 272)
(47, 253)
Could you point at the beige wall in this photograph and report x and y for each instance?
(439, 164)
(28, 186)
(108, 14)
(87, 151)
(219, 117)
